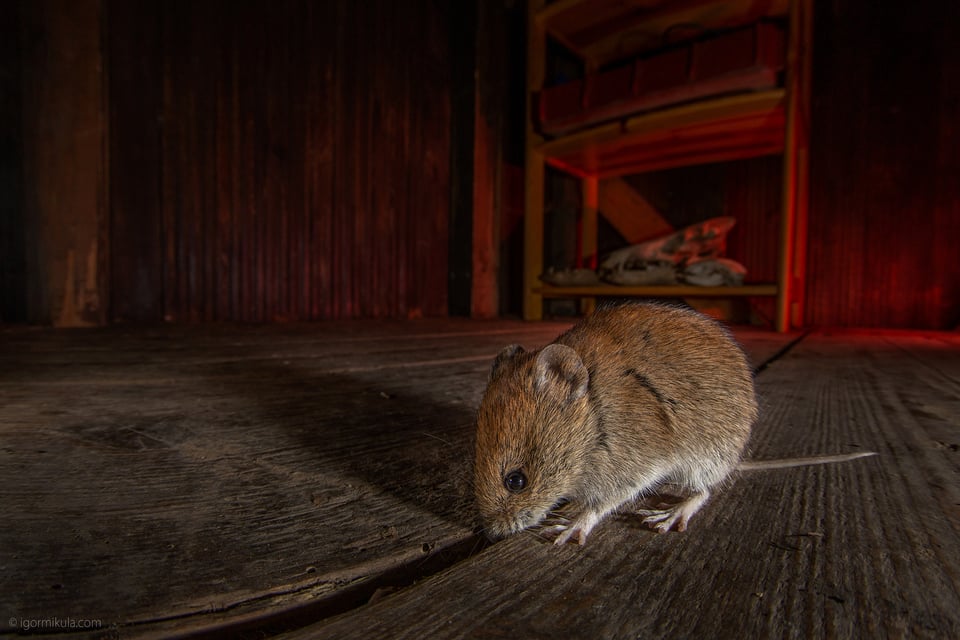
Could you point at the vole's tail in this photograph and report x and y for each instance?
(786, 463)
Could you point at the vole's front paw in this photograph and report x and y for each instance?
(581, 528)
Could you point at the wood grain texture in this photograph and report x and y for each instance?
(188, 478)
(858, 549)
(279, 160)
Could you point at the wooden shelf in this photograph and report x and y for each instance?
(602, 31)
(663, 291)
(716, 130)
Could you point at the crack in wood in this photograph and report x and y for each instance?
(784, 350)
(359, 592)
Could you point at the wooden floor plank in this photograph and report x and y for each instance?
(180, 478)
(868, 548)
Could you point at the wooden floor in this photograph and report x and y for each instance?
(313, 482)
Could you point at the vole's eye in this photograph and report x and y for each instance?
(515, 481)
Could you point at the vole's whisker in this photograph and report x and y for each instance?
(536, 533)
(430, 435)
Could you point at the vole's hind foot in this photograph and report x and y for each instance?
(663, 519)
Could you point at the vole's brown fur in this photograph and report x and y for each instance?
(630, 397)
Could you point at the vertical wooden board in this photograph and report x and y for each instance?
(205, 30)
(136, 248)
(264, 217)
(752, 191)
(226, 150)
(171, 190)
(483, 289)
(343, 198)
(320, 265)
(179, 127)
(383, 147)
(493, 110)
(590, 205)
(210, 88)
(429, 213)
(752, 196)
(250, 72)
(435, 296)
(278, 21)
(463, 216)
(404, 203)
(511, 236)
(64, 161)
(947, 185)
(294, 144)
(369, 154)
(534, 172)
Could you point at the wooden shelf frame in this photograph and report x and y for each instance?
(660, 291)
(720, 129)
(602, 31)
(717, 129)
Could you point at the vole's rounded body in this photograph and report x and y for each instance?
(631, 397)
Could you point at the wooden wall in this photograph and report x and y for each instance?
(278, 160)
(885, 165)
(258, 161)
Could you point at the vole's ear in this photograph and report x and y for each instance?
(559, 368)
(505, 356)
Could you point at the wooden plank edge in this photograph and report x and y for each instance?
(745, 111)
(597, 51)
(742, 152)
